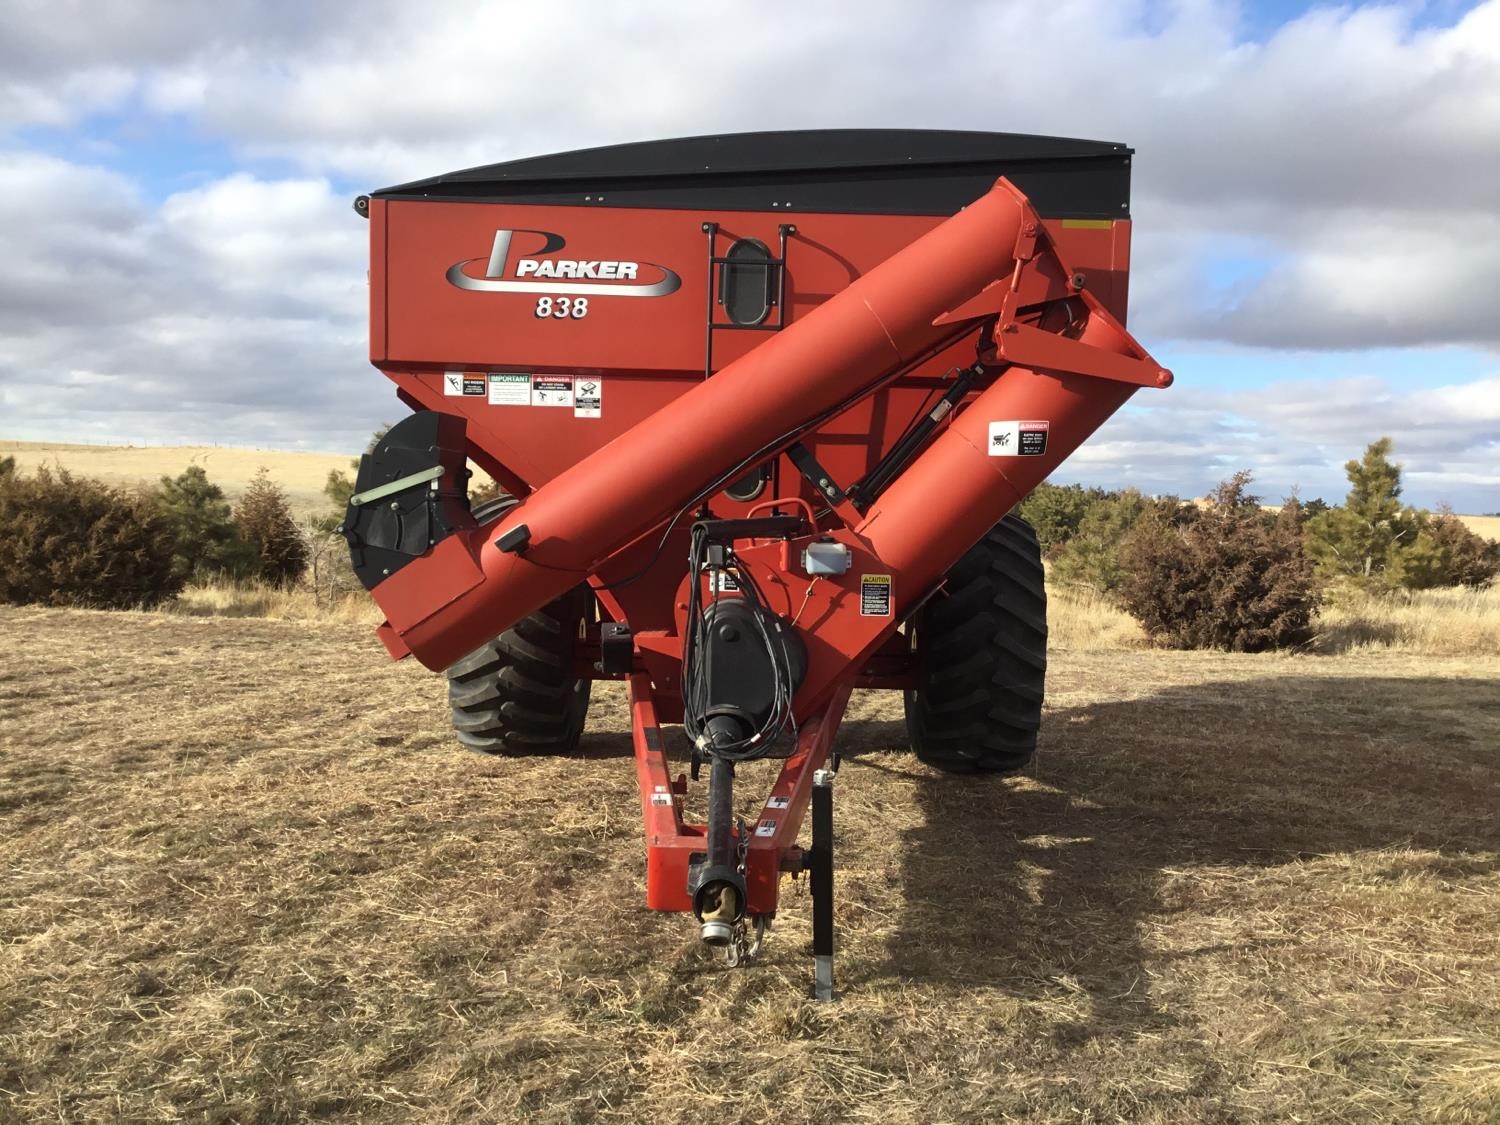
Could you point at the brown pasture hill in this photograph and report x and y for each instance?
(248, 877)
(302, 475)
(1486, 526)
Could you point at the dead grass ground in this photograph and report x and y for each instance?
(230, 598)
(247, 878)
(1083, 621)
(1454, 621)
(1448, 622)
(1451, 621)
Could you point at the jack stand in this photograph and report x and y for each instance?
(820, 879)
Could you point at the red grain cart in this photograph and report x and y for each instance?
(762, 405)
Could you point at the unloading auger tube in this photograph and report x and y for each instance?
(755, 636)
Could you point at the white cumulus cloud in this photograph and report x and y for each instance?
(1332, 185)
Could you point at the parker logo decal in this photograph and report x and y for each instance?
(534, 269)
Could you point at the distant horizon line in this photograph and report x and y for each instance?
(18, 444)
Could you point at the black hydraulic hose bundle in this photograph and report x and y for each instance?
(717, 740)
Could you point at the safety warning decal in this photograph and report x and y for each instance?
(779, 803)
(588, 398)
(766, 829)
(1018, 439)
(462, 383)
(875, 595)
(552, 390)
(662, 799)
(509, 390)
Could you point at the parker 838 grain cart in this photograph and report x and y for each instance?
(762, 404)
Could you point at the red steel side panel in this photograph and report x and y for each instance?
(642, 351)
(626, 327)
(379, 307)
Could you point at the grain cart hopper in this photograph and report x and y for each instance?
(761, 405)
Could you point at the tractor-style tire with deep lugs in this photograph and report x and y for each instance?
(981, 654)
(520, 694)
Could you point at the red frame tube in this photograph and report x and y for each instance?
(671, 843)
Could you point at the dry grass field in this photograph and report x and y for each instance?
(301, 475)
(246, 878)
(1487, 526)
(1453, 621)
(1448, 622)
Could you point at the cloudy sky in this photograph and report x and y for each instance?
(1316, 197)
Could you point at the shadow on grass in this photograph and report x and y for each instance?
(602, 745)
(1041, 885)
(1348, 636)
